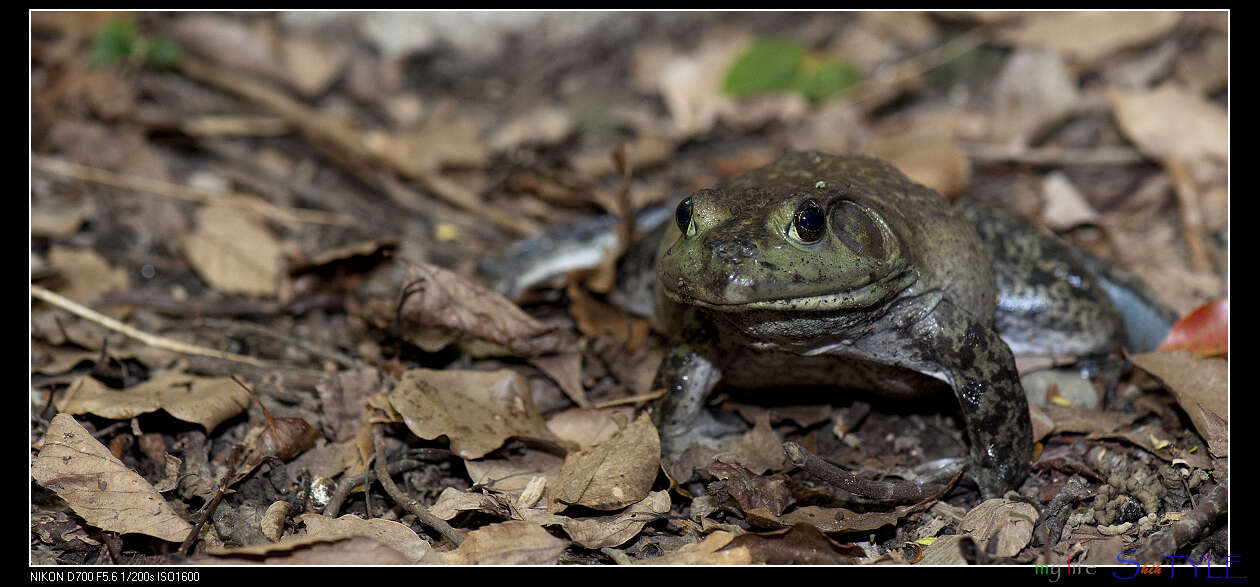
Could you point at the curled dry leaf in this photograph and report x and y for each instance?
(273, 520)
(99, 487)
(607, 531)
(476, 410)
(202, 400)
(283, 438)
(511, 475)
(1006, 525)
(769, 492)
(308, 550)
(613, 474)
(436, 298)
(453, 501)
(505, 543)
(1201, 386)
(713, 551)
(392, 534)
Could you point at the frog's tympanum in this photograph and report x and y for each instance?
(840, 271)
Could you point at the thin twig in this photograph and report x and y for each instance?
(634, 399)
(349, 484)
(186, 547)
(152, 340)
(317, 350)
(1053, 155)
(187, 193)
(422, 513)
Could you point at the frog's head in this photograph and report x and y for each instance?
(811, 247)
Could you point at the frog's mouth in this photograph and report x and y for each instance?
(866, 296)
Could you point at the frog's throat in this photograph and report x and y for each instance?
(866, 296)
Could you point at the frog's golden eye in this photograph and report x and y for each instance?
(682, 215)
(809, 222)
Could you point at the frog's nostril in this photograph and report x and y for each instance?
(735, 253)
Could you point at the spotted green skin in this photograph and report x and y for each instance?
(899, 296)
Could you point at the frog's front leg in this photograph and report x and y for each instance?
(688, 378)
(981, 371)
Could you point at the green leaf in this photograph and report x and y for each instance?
(829, 79)
(113, 43)
(164, 53)
(768, 65)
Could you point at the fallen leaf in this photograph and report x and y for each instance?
(607, 531)
(306, 550)
(387, 532)
(505, 543)
(712, 551)
(99, 487)
(1204, 332)
(436, 297)
(453, 501)
(235, 252)
(1087, 37)
(802, 544)
(1006, 525)
(512, 474)
(343, 397)
(1201, 386)
(768, 492)
(1033, 91)
(927, 153)
(1202, 128)
(1064, 206)
(476, 410)
(202, 400)
(87, 275)
(311, 64)
(588, 427)
(614, 473)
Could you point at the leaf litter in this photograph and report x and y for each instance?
(503, 394)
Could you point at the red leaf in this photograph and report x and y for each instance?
(1204, 332)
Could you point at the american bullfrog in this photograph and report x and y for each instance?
(841, 271)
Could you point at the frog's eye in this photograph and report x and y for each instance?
(682, 215)
(809, 222)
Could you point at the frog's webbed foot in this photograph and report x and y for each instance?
(982, 374)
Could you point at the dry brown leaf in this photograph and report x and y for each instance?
(453, 501)
(799, 545)
(305, 550)
(202, 400)
(588, 427)
(838, 520)
(99, 487)
(1006, 524)
(386, 532)
(713, 551)
(690, 84)
(58, 220)
(235, 252)
(607, 531)
(505, 543)
(1159, 442)
(945, 550)
(1170, 122)
(440, 299)
(1033, 92)
(1064, 206)
(566, 370)
(613, 474)
(476, 410)
(927, 153)
(1201, 386)
(87, 275)
(343, 397)
(767, 492)
(1087, 37)
(512, 474)
(311, 64)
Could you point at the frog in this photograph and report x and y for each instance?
(840, 271)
